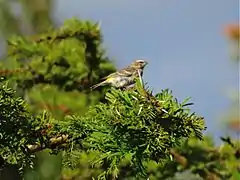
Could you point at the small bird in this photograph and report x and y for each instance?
(124, 77)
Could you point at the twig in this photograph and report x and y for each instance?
(164, 110)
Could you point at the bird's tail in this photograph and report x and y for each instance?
(97, 85)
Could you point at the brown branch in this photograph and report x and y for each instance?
(211, 176)
(63, 108)
(7, 72)
(179, 158)
(53, 142)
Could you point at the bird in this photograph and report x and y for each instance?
(123, 77)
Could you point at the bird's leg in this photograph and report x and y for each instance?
(130, 86)
(122, 88)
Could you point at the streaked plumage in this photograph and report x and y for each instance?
(124, 77)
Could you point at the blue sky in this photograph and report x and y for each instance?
(182, 40)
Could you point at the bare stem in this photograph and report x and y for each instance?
(140, 77)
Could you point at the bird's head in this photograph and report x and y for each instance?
(139, 63)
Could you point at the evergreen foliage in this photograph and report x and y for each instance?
(48, 112)
(18, 129)
(60, 63)
(130, 124)
(24, 17)
(204, 159)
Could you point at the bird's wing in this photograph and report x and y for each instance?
(110, 75)
(128, 71)
(97, 85)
